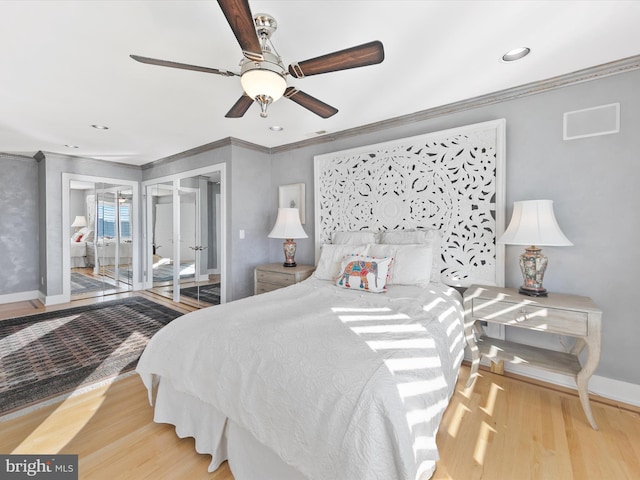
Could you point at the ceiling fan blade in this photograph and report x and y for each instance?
(183, 66)
(367, 54)
(240, 20)
(310, 103)
(240, 107)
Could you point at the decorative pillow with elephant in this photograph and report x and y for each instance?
(364, 273)
(330, 262)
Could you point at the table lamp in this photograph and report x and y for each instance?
(288, 226)
(79, 222)
(533, 223)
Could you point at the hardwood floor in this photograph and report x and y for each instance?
(501, 428)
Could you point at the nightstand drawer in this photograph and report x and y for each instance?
(531, 316)
(277, 278)
(262, 287)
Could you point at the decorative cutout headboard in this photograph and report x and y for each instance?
(452, 181)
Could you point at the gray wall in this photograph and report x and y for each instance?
(250, 174)
(592, 181)
(18, 224)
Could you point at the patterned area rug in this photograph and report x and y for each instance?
(52, 353)
(208, 293)
(82, 284)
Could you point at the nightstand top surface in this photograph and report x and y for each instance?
(553, 300)
(279, 267)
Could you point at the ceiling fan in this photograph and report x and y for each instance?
(262, 74)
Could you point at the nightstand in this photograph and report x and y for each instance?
(275, 275)
(561, 314)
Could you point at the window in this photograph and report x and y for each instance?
(125, 221)
(107, 219)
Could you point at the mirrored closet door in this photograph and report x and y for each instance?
(102, 239)
(198, 233)
(160, 236)
(183, 239)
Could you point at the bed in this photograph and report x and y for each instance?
(105, 252)
(346, 375)
(312, 381)
(78, 248)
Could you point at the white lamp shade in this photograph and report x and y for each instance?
(79, 221)
(288, 224)
(534, 223)
(263, 82)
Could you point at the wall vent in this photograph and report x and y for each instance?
(590, 122)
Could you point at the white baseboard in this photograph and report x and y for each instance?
(19, 297)
(602, 386)
(609, 388)
(48, 300)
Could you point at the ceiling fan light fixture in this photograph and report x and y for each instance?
(264, 101)
(263, 82)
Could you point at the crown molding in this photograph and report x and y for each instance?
(40, 155)
(225, 142)
(16, 156)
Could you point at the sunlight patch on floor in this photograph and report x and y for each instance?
(491, 399)
(66, 432)
(456, 419)
(482, 442)
(33, 443)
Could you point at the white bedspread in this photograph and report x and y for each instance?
(78, 249)
(339, 384)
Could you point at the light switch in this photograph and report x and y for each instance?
(241, 234)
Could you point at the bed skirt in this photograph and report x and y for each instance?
(219, 437)
(79, 262)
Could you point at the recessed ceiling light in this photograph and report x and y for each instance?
(71, 146)
(100, 127)
(516, 54)
(276, 128)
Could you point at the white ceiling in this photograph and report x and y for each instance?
(64, 65)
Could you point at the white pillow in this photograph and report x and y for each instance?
(366, 274)
(409, 236)
(353, 238)
(80, 234)
(328, 267)
(412, 264)
(425, 237)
